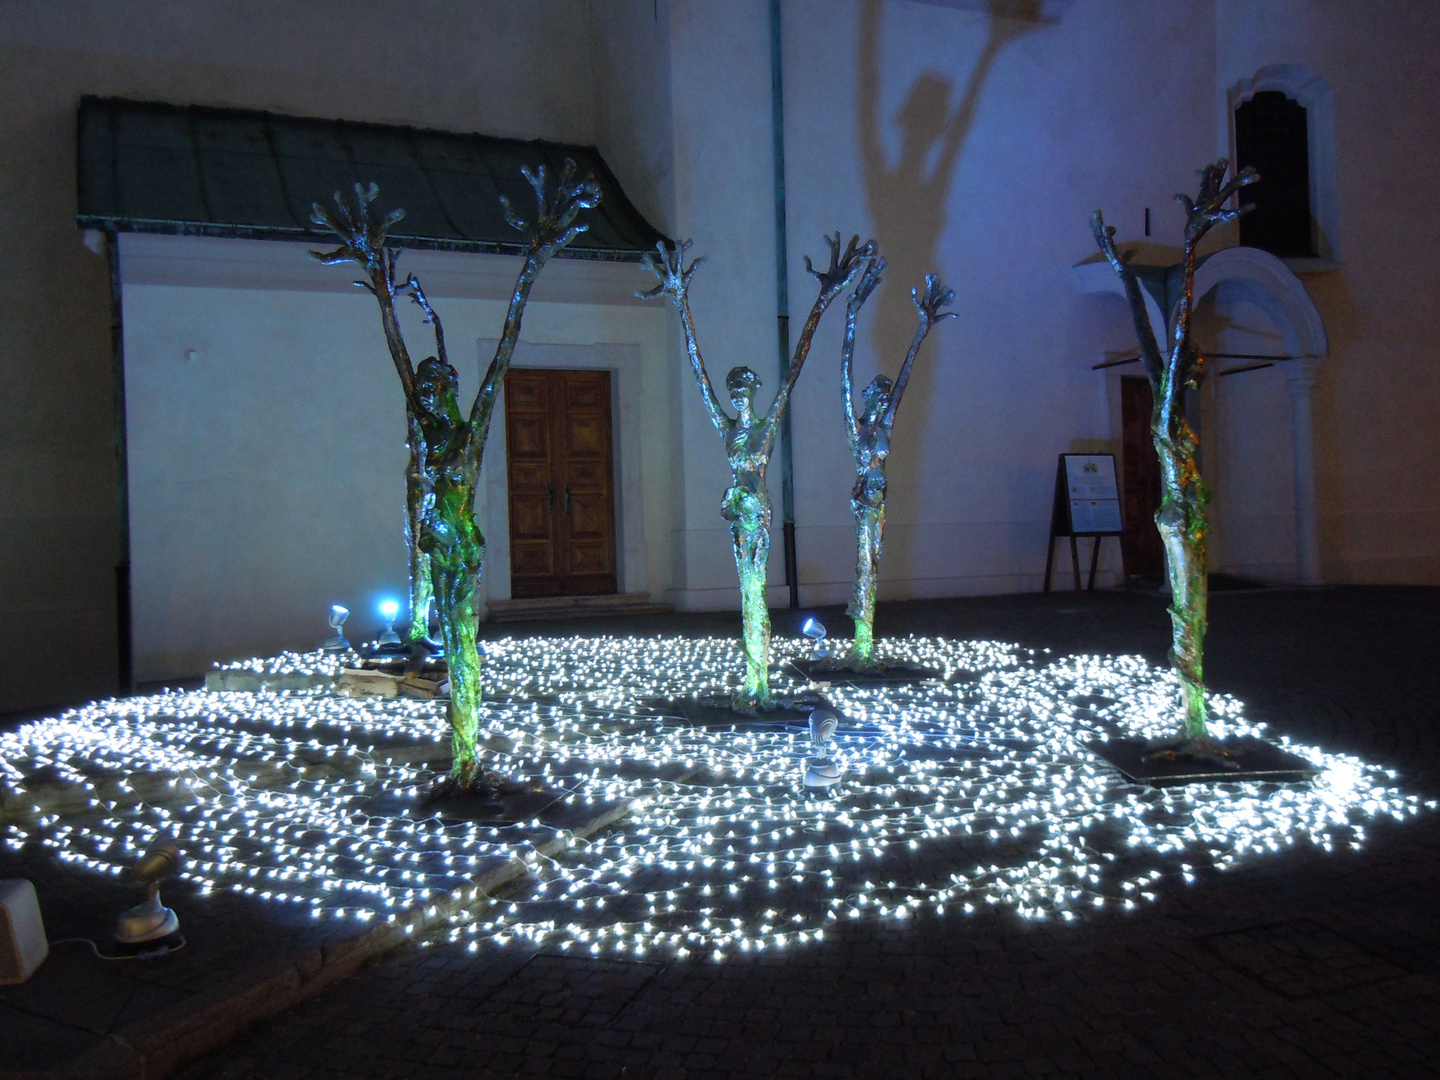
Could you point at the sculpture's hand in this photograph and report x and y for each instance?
(936, 296)
(670, 269)
(1207, 209)
(866, 285)
(1105, 240)
(555, 211)
(362, 237)
(843, 268)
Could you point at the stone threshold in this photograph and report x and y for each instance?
(573, 607)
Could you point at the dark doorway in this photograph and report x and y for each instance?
(1140, 480)
(561, 474)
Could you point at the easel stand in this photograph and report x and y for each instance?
(1086, 503)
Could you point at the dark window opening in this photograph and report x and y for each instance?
(1271, 136)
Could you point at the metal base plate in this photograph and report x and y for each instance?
(1256, 760)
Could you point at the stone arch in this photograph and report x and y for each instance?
(1275, 288)
(1270, 284)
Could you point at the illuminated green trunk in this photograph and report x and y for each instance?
(457, 552)
(1182, 525)
(1181, 517)
(752, 560)
(421, 592)
(458, 627)
(417, 497)
(869, 528)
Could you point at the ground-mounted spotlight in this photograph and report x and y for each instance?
(148, 924)
(814, 629)
(389, 611)
(337, 643)
(822, 771)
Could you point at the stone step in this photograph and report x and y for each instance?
(573, 607)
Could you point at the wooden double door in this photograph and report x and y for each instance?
(562, 484)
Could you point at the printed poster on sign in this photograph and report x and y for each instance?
(1092, 492)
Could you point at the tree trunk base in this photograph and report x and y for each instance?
(481, 788)
(1201, 749)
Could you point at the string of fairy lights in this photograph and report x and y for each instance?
(968, 792)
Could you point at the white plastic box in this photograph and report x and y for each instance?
(22, 936)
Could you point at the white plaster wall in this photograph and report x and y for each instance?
(267, 436)
(634, 122)
(1112, 106)
(469, 65)
(724, 184)
(1375, 397)
(1049, 132)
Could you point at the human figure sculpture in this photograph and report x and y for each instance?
(1181, 517)
(452, 442)
(749, 440)
(869, 437)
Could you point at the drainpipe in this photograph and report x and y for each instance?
(124, 639)
(782, 318)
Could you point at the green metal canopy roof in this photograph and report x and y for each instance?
(197, 171)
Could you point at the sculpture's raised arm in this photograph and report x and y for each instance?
(868, 281)
(833, 280)
(1149, 347)
(674, 277)
(362, 241)
(552, 228)
(1202, 214)
(417, 294)
(928, 306)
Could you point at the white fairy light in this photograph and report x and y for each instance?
(976, 789)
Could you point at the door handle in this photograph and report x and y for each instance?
(567, 499)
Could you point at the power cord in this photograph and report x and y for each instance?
(149, 954)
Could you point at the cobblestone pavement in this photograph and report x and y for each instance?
(1300, 964)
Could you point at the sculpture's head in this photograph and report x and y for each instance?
(877, 398)
(741, 384)
(926, 111)
(436, 387)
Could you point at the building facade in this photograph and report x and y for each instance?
(971, 138)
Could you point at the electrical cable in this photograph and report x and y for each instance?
(152, 954)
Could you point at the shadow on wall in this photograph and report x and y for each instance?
(908, 200)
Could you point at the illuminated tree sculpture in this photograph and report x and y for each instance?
(1181, 517)
(453, 444)
(869, 437)
(749, 441)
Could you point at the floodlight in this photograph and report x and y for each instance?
(151, 920)
(338, 614)
(814, 629)
(389, 609)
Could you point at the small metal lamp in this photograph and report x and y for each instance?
(338, 614)
(814, 629)
(389, 610)
(151, 920)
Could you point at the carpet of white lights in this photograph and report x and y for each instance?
(972, 792)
